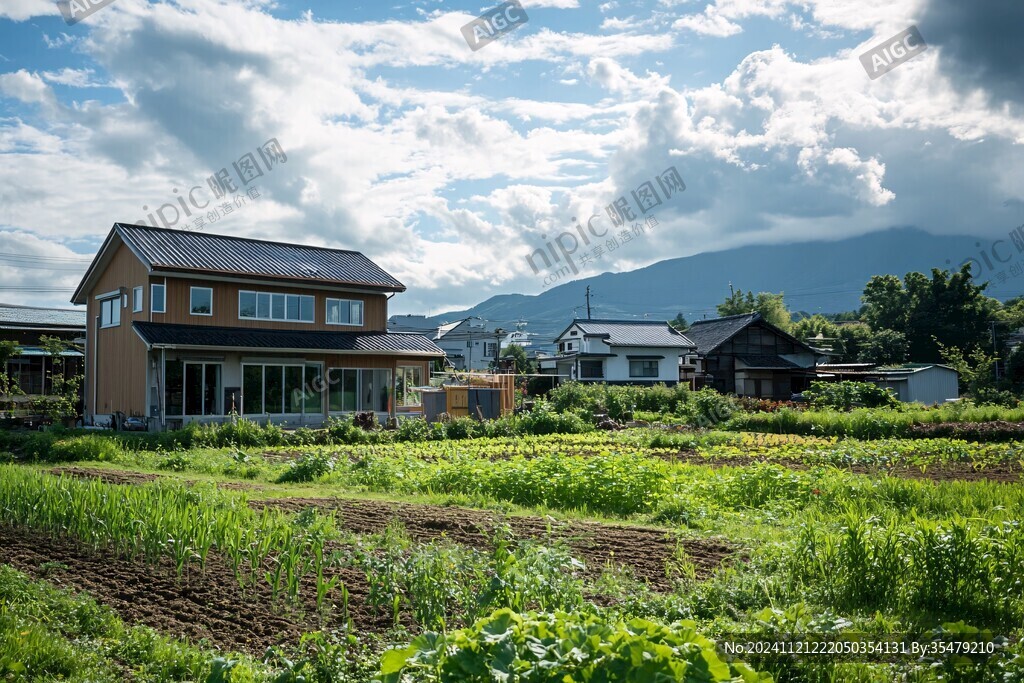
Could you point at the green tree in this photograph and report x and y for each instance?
(679, 323)
(852, 339)
(947, 309)
(808, 328)
(61, 402)
(8, 386)
(885, 347)
(518, 354)
(772, 307)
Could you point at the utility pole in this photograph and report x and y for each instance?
(588, 302)
(731, 292)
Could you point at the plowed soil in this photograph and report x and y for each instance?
(1007, 472)
(208, 606)
(649, 553)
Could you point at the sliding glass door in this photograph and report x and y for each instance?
(193, 389)
(352, 390)
(282, 389)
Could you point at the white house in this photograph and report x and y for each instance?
(468, 343)
(619, 352)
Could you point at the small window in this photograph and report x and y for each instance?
(156, 298)
(344, 312)
(247, 305)
(201, 300)
(137, 300)
(263, 306)
(277, 306)
(110, 312)
(643, 368)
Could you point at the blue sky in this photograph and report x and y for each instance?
(450, 167)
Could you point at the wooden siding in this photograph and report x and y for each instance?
(115, 356)
(225, 307)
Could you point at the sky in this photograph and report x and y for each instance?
(374, 126)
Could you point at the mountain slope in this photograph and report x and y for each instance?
(817, 277)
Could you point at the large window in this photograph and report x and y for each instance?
(344, 312)
(359, 389)
(594, 369)
(269, 306)
(110, 312)
(193, 389)
(157, 302)
(201, 300)
(282, 389)
(643, 368)
(409, 376)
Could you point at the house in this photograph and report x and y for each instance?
(26, 325)
(928, 383)
(469, 343)
(189, 326)
(619, 352)
(747, 356)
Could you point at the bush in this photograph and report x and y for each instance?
(91, 447)
(307, 468)
(847, 395)
(708, 408)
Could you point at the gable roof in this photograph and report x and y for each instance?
(164, 250)
(710, 334)
(209, 336)
(32, 317)
(632, 332)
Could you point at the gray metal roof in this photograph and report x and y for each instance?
(13, 316)
(634, 332)
(177, 250)
(708, 335)
(208, 336)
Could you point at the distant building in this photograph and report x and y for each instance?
(748, 356)
(619, 352)
(26, 325)
(469, 343)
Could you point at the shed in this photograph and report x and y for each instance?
(921, 382)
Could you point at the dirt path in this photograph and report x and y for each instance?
(207, 606)
(647, 552)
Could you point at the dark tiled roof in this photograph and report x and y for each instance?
(165, 249)
(708, 335)
(163, 334)
(767, 362)
(634, 332)
(29, 316)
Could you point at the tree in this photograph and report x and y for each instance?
(8, 386)
(885, 347)
(808, 328)
(853, 338)
(522, 364)
(947, 309)
(61, 402)
(772, 307)
(679, 323)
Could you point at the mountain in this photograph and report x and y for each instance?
(816, 277)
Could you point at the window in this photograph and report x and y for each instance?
(193, 388)
(344, 312)
(110, 312)
(593, 369)
(359, 389)
(156, 298)
(643, 368)
(282, 389)
(137, 300)
(266, 306)
(491, 349)
(201, 300)
(409, 376)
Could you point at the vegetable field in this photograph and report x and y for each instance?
(633, 555)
